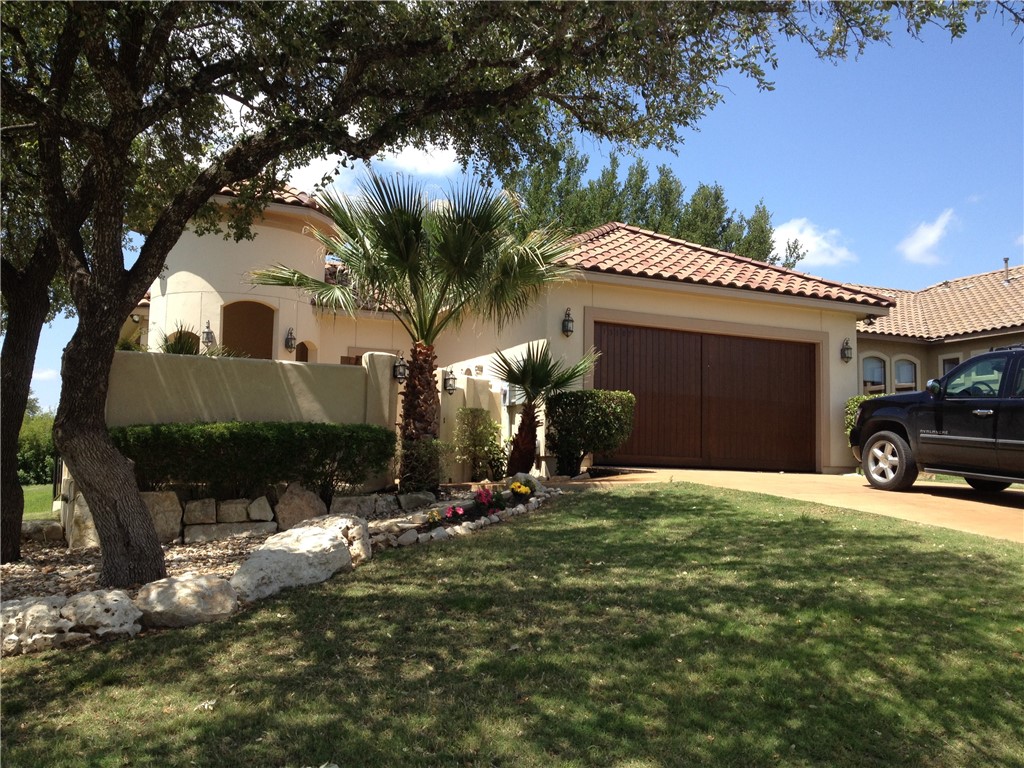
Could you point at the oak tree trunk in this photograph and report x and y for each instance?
(27, 295)
(131, 550)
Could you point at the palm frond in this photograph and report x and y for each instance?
(324, 295)
(538, 374)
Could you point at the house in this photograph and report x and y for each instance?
(735, 363)
(929, 332)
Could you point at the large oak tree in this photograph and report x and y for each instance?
(123, 107)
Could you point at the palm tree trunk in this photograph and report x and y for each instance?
(421, 406)
(524, 444)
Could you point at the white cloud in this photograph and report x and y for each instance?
(430, 162)
(824, 246)
(918, 246)
(45, 374)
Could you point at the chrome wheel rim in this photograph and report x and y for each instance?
(883, 461)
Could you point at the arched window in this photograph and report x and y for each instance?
(301, 352)
(905, 375)
(874, 375)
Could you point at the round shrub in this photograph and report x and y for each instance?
(587, 421)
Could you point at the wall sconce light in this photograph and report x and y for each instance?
(136, 318)
(448, 381)
(208, 335)
(567, 323)
(400, 370)
(846, 351)
(289, 340)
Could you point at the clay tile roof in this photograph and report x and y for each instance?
(622, 249)
(990, 301)
(286, 195)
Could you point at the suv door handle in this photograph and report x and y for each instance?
(983, 412)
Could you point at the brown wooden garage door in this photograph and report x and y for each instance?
(711, 401)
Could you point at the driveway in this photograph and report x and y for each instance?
(947, 505)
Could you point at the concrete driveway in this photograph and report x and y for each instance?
(1000, 515)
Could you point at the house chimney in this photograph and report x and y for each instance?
(1006, 270)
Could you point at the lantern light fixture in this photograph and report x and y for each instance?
(289, 340)
(208, 335)
(567, 323)
(400, 369)
(846, 351)
(448, 381)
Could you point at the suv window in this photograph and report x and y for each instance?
(979, 379)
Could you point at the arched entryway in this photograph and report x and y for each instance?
(249, 329)
(305, 352)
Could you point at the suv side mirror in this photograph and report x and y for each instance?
(934, 387)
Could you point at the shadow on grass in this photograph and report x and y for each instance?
(673, 625)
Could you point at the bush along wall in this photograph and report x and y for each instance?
(587, 421)
(243, 459)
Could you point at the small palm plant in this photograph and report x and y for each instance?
(430, 264)
(539, 376)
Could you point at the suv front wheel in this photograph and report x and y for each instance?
(888, 463)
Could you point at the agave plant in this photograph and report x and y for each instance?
(539, 376)
(430, 264)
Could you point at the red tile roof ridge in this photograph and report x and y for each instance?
(285, 195)
(584, 238)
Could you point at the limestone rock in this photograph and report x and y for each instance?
(298, 504)
(408, 501)
(165, 509)
(359, 541)
(83, 531)
(355, 506)
(409, 537)
(233, 511)
(42, 530)
(293, 558)
(103, 612)
(439, 534)
(260, 510)
(385, 506)
(197, 534)
(181, 601)
(201, 512)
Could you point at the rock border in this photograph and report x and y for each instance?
(308, 552)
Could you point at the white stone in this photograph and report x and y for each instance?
(260, 510)
(103, 612)
(298, 504)
(494, 518)
(11, 645)
(165, 510)
(233, 511)
(358, 506)
(82, 532)
(201, 512)
(409, 537)
(43, 616)
(181, 601)
(359, 541)
(439, 534)
(197, 534)
(293, 558)
(424, 538)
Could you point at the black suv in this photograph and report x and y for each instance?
(969, 423)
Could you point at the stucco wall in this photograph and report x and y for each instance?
(153, 388)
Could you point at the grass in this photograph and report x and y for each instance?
(39, 502)
(669, 625)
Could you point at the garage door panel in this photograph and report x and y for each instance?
(705, 400)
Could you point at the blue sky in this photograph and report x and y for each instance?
(901, 169)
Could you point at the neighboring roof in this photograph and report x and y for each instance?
(622, 249)
(991, 301)
(286, 195)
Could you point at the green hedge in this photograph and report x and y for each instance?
(587, 421)
(850, 412)
(35, 450)
(243, 459)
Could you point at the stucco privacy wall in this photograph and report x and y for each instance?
(147, 388)
(619, 299)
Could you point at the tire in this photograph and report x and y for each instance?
(986, 486)
(888, 462)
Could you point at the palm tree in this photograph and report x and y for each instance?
(539, 376)
(430, 264)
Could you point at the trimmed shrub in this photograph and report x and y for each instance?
(478, 441)
(850, 412)
(35, 450)
(244, 459)
(587, 421)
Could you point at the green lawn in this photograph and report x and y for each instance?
(647, 626)
(39, 502)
